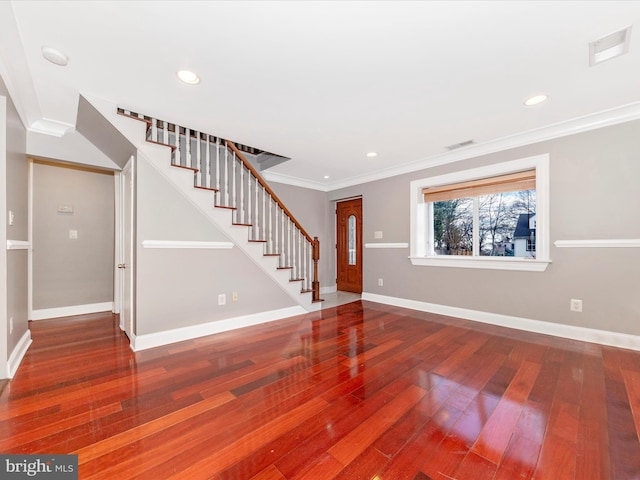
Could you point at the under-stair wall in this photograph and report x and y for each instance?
(184, 263)
(177, 286)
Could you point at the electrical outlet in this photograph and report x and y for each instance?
(10, 325)
(222, 299)
(377, 234)
(380, 282)
(575, 305)
(73, 234)
(234, 297)
(12, 217)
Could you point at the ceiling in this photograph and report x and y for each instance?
(326, 82)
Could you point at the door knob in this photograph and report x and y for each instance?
(122, 265)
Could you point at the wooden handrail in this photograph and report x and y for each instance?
(255, 173)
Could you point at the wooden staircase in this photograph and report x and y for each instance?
(219, 166)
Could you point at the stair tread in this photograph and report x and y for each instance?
(185, 167)
(172, 147)
(285, 268)
(257, 241)
(242, 224)
(224, 206)
(206, 188)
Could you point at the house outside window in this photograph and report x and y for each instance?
(470, 218)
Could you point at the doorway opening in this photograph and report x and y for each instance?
(349, 245)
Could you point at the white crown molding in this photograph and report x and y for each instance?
(602, 337)
(18, 353)
(609, 243)
(184, 244)
(46, 313)
(293, 181)
(18, 245)
(151, 340)
(386, 245)
(585, 123)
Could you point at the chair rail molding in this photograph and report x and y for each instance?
(606, 243)
(387, 245)
(184, 244)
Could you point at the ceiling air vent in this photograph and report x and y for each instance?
(609, 46)
(466, 143)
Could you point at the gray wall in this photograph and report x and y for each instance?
(14, 265)
(70, 272)
(594, 194)
(180, 287)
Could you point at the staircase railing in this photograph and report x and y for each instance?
(219, 165)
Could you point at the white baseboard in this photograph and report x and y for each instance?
(151, 340)
(18, 353)
(603, 337)
(45, 313)
(331, 289)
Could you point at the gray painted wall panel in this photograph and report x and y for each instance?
(70, 272)
(16, 200)
(180, 287)
(594, 195)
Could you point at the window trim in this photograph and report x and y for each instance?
(421, 231)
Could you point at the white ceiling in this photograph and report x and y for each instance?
(326, 82)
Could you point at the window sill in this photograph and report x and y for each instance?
(489, 263)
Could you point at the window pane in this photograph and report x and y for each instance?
(453, 227)
(507, 224)
(352, 239)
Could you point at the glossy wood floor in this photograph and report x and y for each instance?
(360, 391)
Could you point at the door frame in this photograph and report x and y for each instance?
(359, 245)
(121, 245)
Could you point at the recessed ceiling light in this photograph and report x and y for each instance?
(326, 177)
(372, 154)
(55, 56)
(189, 77)
(535, 100)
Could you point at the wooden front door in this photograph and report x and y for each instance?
(349, 245)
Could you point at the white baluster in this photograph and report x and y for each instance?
(289, 242)
(187, 148)
(226, 177)
(294, 252)
(283, 252)
(154, 129)
(242, 216)
(300, 264)
(275, 223)
(198, 160)
(178, 156)
(233, 180)
(207, 161)
(269, 234)
(256, 211)
(264, 213)
(303, 258)
(218, 164)
(249, 215)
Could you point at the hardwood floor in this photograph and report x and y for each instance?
(359, 391)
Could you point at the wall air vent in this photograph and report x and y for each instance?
(466, 143)
(609, 46)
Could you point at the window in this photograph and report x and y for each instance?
(489, 217)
